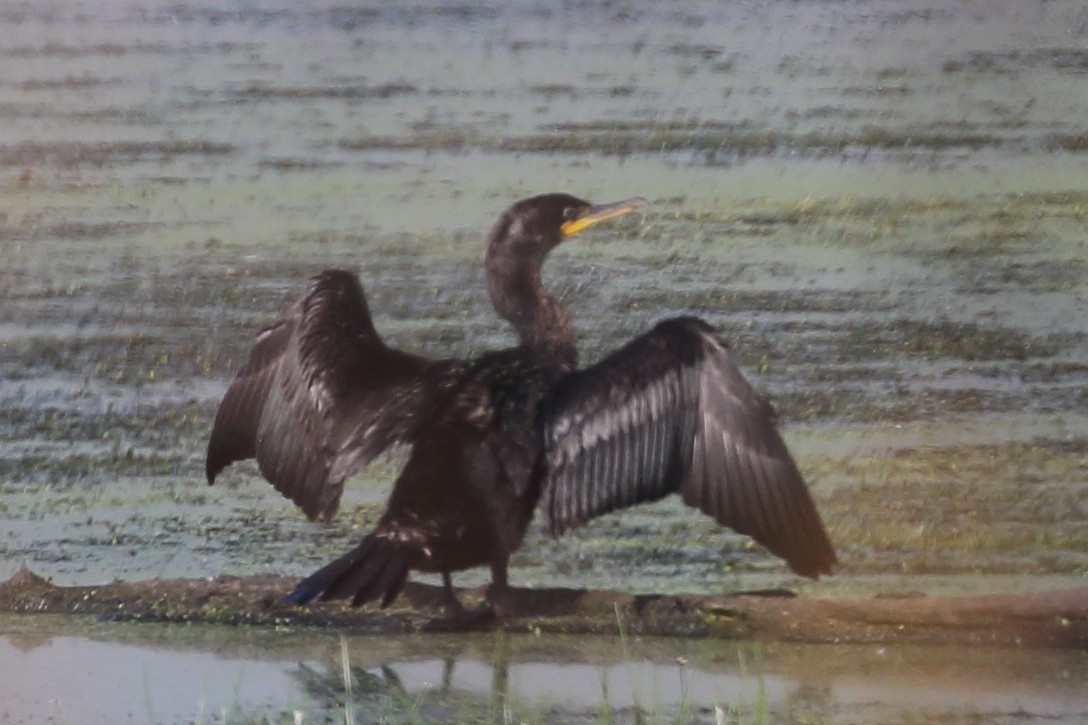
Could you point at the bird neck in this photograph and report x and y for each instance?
(541, 322)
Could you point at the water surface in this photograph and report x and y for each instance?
(882, 204)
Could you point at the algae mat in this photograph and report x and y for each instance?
(881, 203)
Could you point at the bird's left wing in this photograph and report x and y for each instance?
(670, 412)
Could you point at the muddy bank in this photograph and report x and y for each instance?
(1047, 619)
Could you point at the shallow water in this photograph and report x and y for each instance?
(163, 673)
(882, 204)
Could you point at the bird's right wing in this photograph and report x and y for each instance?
(670, 412)
(320, 396)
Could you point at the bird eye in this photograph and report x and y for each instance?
(570, 213)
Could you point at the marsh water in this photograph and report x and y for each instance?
(883, 204)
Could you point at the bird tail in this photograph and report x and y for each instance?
(377, 567)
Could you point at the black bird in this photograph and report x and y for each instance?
(321, 395)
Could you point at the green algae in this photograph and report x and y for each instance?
(137, 381)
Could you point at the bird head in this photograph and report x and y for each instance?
(533, 227)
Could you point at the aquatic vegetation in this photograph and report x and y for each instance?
(886, 223)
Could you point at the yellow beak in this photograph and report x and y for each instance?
(599, 213)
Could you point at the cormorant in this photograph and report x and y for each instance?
(322, 394)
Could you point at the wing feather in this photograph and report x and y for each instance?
(320, 396)
(670, 412)
(236, 437)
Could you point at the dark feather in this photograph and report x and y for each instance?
(320, 396)
(670, 412)
(234, 434)
(377, 567)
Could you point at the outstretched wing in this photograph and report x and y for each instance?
(670, 412)
(320, 396)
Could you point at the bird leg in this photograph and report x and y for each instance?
(458, 618)
(498, 594)
(452, 604)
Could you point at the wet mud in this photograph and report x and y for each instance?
(1057, 619)
(882, 205)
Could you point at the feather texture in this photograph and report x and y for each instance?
(377, 567)
(667, 413)
(320, 396)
